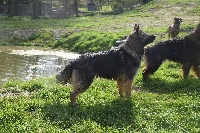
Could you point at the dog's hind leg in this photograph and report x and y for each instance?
(186, 69)
(196, 69)
(169, 35)
(169, 32)
(150, 70)
(80, 84)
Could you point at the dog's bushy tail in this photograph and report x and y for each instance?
(65, 75)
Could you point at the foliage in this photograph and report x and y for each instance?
(43, 39)
(3, 43)
(87, 41)
(117, 3)
(17, 86)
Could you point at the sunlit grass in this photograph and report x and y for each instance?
(166, 103)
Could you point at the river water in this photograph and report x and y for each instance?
(25, 63)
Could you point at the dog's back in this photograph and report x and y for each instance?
(115, 63)
(184, 51)
(174, 50)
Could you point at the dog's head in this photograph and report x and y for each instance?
(177, 21)
(62, 77)
(140, 37)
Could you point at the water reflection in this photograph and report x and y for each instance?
(22, 63)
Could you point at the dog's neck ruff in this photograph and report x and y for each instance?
(176, 26)
(195, 35)
(134, 50)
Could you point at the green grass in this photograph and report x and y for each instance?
(87, 41)
(166, 103)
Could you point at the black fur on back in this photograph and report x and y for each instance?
(185, 51)
(182, 51)
(109, 64)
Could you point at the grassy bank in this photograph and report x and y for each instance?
(99, 32)
(166, 103)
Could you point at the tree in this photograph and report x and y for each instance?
(66, 4)
(76, 7)
(35, 7)
(12, 7)
(1, 6)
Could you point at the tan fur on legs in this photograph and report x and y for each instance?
(120, 87)
(196, 69)
(124, 87)
(79, 86)
(74, 94)
(127, 87)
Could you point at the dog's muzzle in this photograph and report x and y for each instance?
(59, 78)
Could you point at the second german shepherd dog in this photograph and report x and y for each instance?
(185, 51)
(120, 64)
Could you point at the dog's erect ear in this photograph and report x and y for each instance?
(175, 18)
(138, 28)
(135, 27)
(180, 20)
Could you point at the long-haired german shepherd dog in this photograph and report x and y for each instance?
(120, 64)
(185, 51)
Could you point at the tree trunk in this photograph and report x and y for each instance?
(34, 3)
(12, 7)
(76, 7)
(66, 7)
(1, 8)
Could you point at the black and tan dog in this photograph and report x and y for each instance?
(174, 29)
(120, 64)
(185, 51)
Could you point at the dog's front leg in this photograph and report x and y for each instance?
(196, 69)
(120, 87)
(74, 94)
(127, 87)
(186, 69)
